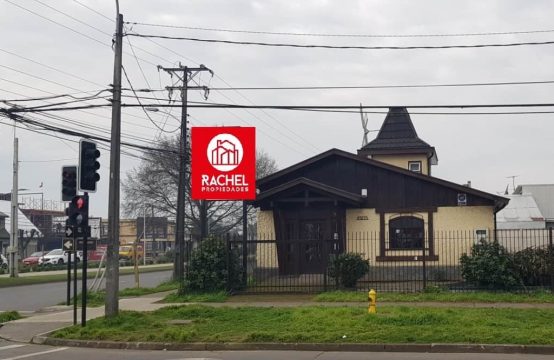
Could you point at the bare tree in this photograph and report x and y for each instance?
(155, 181)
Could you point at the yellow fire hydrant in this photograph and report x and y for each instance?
(372, 297)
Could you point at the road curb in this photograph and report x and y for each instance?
(417, 348)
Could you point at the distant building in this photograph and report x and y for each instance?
(522, 212)
(543, 194)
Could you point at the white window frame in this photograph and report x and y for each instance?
(410, 163)
(481, 234)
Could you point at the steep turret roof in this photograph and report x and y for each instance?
(398, 134)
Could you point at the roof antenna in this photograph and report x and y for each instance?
(364, 126)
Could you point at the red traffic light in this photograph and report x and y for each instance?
(80, 203)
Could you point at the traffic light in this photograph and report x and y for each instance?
(88, 166)
(77, 213)
(69, 182)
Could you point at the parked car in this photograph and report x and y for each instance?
(57, 257)
(32, 260)
(127, 252)
(3, 262)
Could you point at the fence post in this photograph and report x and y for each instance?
(325, 264)
(244, 244)
(424, 267)
(227, 262)
(551, 265)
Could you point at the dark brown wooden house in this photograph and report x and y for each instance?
(313, 208)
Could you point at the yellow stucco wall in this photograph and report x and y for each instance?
(454, 234)
(266, 253)
(454, 231)
(401, 160)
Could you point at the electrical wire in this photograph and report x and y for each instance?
(48, 92)
(341, 47)
(52, 68)
(304, 141)
(143, 108)
(27, 120)
(361, 87)
(492, 33)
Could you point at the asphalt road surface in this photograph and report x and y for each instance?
(36, 297)
(14, 351)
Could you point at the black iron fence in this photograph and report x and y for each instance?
(521, 260)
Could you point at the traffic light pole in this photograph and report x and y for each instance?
(84, 273)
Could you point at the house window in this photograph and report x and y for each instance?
(406, 232)
(414, 166)
(481, 234)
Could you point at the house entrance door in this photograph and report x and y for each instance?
(307, 239)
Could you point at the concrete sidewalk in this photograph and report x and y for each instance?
(90, 270)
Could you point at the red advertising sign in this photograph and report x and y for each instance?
(223, 165)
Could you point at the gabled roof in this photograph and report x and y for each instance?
(323, 188)
(521, 213)
(500, 202)
(543, 195)
(397, 134)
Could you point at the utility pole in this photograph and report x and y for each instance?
(14, 241)
(187, 75)
(112, 251)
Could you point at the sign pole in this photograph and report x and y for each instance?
(75, 282)
(68, 299)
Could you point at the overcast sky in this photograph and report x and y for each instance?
(483, 149)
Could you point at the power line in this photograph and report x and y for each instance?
(52, 68)
(338, 87)
(91, 9)
(259, 32)
(42, 98)
(27, 120)
(143, 108)
(295, 107)
(56, 83)
(342, 47)
(182, 56)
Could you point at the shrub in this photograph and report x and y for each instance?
(534, 265)
(348, 268)
(489, 265)
(213, 267)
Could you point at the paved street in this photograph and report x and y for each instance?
(36, 297)
(13, 351)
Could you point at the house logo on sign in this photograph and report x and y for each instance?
(225, 152)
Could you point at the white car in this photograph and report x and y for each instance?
(57, 257)
(3, 262)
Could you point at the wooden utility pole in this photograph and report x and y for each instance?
(186, 74)
(112, 251)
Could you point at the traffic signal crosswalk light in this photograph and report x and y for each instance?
(69, 182)
(77, 212)
(88, 165)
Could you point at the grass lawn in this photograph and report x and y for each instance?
(41, 279)
(9, 316)
(478, 296)
(395, 324)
